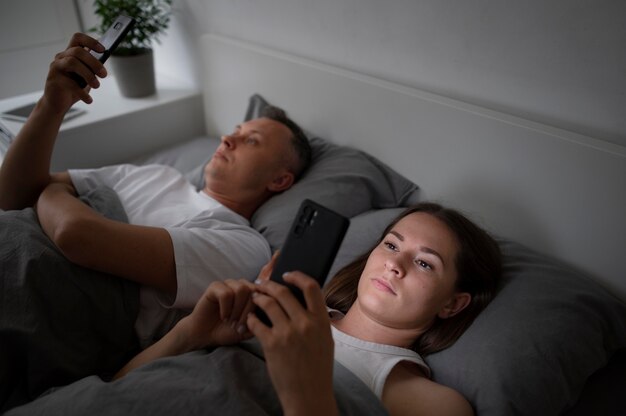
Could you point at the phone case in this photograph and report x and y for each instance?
(110, 40)
(113, 36)
(311, 245)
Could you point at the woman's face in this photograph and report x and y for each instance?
(409, 278)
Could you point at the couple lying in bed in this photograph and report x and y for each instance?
(414, 293)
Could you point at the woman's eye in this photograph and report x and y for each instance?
(390, 246)
(423, 264)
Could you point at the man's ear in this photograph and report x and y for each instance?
(282, 182)
(456, 304)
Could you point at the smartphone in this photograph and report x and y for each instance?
(310, 247)
(110, 40)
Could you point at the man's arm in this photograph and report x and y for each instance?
(139, 253)
(25, 171)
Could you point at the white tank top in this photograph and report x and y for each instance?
(369, 361)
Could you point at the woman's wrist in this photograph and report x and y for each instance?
(317, 403)
(185, 338)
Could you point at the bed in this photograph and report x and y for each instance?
(553, 341)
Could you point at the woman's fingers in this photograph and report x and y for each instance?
(311, 290)
(266, 271)
(280, 304)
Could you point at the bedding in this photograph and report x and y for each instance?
(58, 321)
(224, 381)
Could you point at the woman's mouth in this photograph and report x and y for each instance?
(383, 285)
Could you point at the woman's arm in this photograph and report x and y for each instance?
(408, 392)
(298, 347)
(217, 319)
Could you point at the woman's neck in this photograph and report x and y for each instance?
(358, 324)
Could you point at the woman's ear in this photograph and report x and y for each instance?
(456, 304)
(282, 182)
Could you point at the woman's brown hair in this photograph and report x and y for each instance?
(478, 265)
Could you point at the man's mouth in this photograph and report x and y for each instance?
(219, 155)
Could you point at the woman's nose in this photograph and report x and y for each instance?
(394, 266)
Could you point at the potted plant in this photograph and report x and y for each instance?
(133, 60)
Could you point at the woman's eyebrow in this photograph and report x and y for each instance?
(434, 253)
(424, 249)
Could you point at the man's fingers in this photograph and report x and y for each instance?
(84, 40)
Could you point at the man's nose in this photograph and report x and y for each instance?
(229, 140)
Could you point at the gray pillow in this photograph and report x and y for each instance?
(531, 351)
(341, 178)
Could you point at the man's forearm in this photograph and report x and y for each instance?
(25, 171)
(85, 237)
(56, 207)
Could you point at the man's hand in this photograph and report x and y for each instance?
(25, 171)
(62, 90)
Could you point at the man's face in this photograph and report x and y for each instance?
(252, 159)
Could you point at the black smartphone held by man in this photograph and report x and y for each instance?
(310, 247)
(110, 40)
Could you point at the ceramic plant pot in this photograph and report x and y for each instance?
(135, 74)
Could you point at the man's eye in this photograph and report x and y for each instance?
(251, 140)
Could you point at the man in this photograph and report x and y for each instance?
(177, 240)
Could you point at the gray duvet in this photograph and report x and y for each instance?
(59, 322)
(225, 381)
(65, 329)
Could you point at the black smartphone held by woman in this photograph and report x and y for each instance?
(310, 247)
(110, 40)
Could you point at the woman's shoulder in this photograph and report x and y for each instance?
(408, 391)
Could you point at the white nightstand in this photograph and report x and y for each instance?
(115, 129)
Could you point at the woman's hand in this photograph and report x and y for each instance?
(298, 347)
(215, 320)
(219, 317)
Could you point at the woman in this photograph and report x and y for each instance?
(414, 293)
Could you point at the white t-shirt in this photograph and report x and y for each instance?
(211, 242)
(369, 361)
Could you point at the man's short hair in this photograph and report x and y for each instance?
(299, 140)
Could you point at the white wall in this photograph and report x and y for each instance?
(561, 62)
(31, 33)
